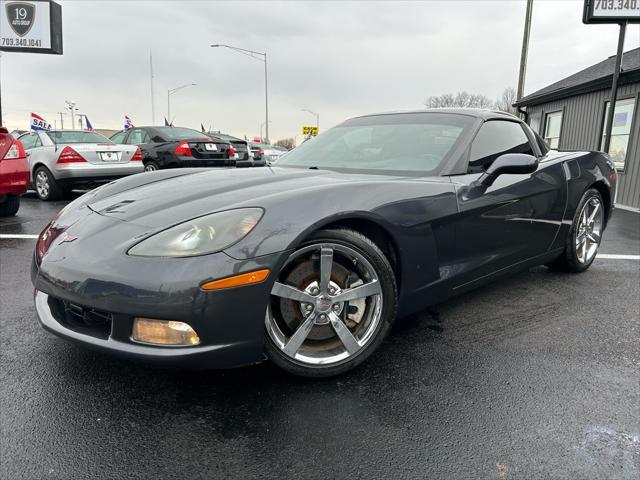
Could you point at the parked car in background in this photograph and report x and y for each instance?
(17, 133)
(175, 147)
(272, 154)
(258, 154)
(14, 173)
(60, 160)
(240, 146)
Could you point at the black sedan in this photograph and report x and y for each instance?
(176, 147)
(240, 146)
(309, 263)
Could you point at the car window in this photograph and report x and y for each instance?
(419, 143)
(30, 140)
(77, 136)
(137, 136)
(119, 137)
(495, 138)
(178, 133)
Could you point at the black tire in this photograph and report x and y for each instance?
(53, 191)
(569, 261)
(376, 258)
(9, 207)
(151, 166)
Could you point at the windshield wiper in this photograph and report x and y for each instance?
(313, 168)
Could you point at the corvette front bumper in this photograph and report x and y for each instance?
(98, 313)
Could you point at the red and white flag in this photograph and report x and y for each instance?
(38, 123)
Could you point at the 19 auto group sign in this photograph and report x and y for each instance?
(30, 26)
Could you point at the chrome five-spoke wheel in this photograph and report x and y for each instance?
(585, 235)
(327, 305)
(589, 230)
(42, 184)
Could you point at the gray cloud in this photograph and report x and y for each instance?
(338, 58)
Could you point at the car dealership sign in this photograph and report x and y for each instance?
(33, 26)
(611, 11)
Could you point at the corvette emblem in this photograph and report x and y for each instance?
(68, 239)
(21, 16)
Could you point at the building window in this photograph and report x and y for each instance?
(620, 130)
(552, 127)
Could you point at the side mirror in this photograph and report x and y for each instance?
(509, 163)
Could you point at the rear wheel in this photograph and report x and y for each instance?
(46, 186)
(333, 303)
(9, 207)
(151, 166)
(585, 235)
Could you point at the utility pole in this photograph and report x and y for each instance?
(61, 120)
(525, 50)
(153, 104)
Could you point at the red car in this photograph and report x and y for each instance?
(14, 173)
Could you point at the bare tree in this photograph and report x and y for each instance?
(287, 143)
(459, 100)
(506, 101)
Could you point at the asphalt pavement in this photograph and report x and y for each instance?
(535, 376)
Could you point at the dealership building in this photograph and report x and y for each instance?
(570, 114)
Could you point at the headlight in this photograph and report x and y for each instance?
(201, 235)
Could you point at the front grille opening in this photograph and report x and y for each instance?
(87, 321)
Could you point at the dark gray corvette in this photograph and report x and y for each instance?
(310, 263)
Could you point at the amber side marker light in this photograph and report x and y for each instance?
(163, 332)
(237, 280)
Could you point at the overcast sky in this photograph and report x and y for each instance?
(337, 58)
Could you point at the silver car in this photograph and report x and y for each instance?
(62, 160)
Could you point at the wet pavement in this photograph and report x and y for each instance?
(535, 376)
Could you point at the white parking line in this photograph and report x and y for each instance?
(606, 256)
(18, 236)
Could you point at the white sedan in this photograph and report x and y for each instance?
(62, 160)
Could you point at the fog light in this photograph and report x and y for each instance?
(164, 332)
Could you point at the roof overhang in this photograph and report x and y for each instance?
(588, 87)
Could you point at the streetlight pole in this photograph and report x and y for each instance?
(317, 115)
(170, 92)
(262, 57)
(261, 126)
(71, 106)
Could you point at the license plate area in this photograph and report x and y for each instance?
(109, 156)
(210, 147)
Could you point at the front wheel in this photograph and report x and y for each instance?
(585, 235)
(332, 305)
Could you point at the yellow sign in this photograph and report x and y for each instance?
(313, 131)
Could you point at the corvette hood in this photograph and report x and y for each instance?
(172, 200)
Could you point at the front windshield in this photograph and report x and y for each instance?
(77, 136)
(179, 133)
(410, 143)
